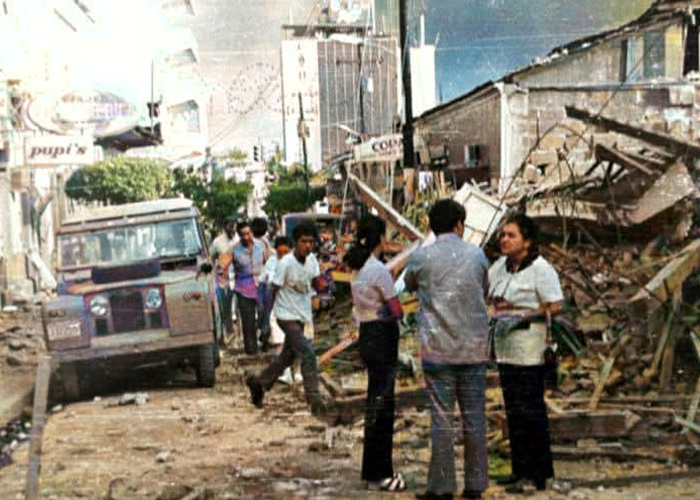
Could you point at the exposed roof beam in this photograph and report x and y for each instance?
(605, 153)
(655, 138)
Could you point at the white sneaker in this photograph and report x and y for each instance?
(286, 377)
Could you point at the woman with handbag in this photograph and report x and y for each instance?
(524, 291)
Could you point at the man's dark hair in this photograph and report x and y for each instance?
(259, 226)
(242, 223)
(445, 214)
(304, 229)
(282, 240)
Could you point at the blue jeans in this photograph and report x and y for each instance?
(467, 385)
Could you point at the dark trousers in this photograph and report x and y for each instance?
(246, 309)
(264, 309)
(379, 341)
(523, 395)
(295, 345)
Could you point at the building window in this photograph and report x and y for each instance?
(654, 54)
(185, 117)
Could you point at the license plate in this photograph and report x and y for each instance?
(63, 330)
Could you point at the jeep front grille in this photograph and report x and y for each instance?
(127, 312)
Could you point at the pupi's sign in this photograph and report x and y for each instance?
(93, 112)
(58, 150)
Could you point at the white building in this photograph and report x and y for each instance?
(73, 73)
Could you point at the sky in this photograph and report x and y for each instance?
(482, 40)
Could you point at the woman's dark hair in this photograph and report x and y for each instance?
(304, 229)
(528, 228)
(444, 216)
(370, 229)
(283, 240)
(259, 226)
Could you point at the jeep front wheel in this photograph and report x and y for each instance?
(206, 370)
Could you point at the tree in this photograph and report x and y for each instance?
(284, 198)
(236, 156)
(120, 179)
(217, 200)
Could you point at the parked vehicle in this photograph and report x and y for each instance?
(135, 287)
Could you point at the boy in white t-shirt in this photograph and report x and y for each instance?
(297, 274)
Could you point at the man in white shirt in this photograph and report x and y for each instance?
(296, 276)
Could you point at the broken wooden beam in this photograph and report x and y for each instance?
(605, 153)
(613, 482)
(656, 138)
(671, 277)
(386, 211)
(574, 425)
(41, 395)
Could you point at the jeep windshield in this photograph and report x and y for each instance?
(169, 240)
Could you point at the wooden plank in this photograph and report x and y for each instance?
(561, 452)
(669, 357)
(600, 384)
(655, 138)
(693, 408)
(575, 425)
(41, 394)
(690, 425)
(605, 153)
(403, 225)
(605, 372)
(629, 480)
(671, 277)
(653, 370)
(326, 356)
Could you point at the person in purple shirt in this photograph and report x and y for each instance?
(248, 261)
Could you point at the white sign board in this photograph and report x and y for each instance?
(383, 148)
(58, 150)
(94, 112)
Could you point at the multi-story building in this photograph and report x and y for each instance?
(347, 83)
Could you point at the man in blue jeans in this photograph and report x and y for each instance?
(451, 279)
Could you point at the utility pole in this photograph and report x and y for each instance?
(408, 154)
(302, 131)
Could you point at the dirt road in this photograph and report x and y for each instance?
(190, 443)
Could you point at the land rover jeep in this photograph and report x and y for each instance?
(135, 287)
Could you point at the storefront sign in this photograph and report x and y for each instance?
(93, 112)
(58, 150)
(382, 148)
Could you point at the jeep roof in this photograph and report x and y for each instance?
(128, 214)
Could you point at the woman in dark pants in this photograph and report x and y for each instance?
(377, 309)
(523, 286)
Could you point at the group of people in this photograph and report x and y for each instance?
(471, 314)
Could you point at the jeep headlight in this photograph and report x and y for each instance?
(154, 299)
(98, 305)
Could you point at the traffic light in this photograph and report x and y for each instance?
(256, 155)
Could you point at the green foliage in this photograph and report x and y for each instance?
(216, 200)
(285, 198)
(120, 179)
(236, 156)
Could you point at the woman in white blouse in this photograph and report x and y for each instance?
(377, 308)
(523, 287)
